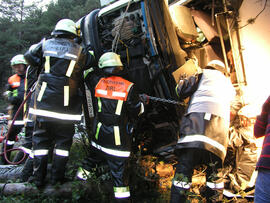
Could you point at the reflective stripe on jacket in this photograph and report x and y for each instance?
(58, 94)
(113, 88)
(206, 123)
(111, 92)
(116, 103)
(204, 131)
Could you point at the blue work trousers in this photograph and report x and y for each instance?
(262, 186)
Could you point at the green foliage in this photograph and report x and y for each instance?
(21, 26)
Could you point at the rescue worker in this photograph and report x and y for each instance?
(203, 130)
(57, 98)
(31, 78)
(116, 104)
(15, 96)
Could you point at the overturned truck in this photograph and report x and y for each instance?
(162, 41)
(151, 53)
(158, 44)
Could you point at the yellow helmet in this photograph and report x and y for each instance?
(111, 63)
(65, 26)
(109, 59)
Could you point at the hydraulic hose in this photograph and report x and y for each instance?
(9, 130)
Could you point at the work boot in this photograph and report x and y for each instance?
(178, 195)
(122, 200)
(59, 181)
(27, 170)
(39, 170)
(211, 195)
(58, 169)
(38, 182)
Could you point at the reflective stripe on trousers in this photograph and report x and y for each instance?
(26, 150)
(61, 152)
(17, 122)
(82, 173)
(10, 142)
(181, 184)
(121, 192)
(215, 186)
(41, 152)
(111, 151)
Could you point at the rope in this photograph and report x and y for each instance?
(117, 36)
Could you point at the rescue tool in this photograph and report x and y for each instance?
(146, 98)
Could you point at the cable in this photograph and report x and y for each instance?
(252, 20)
(146, 98)
(9, 130)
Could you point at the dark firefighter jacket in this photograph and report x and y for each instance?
(30, 79)
(15, 93)
(57, 95)
(116, 106)
(206, 123)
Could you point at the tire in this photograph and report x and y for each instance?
(90, 33)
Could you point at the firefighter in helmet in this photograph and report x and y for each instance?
(15, 96)
(31, 77)
(116, 104)
(203, 130)
(57, 98)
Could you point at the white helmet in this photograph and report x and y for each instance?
(216, 64)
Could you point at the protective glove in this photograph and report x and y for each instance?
(144, 98)
(13, 97)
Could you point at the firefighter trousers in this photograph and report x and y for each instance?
(188, 159)
(27, 169)
(46, 135)
(117, 167)
(26, 145)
